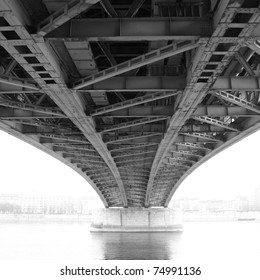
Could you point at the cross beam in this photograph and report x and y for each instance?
(133, 102)
(133, 137)
(206, 119)
(160, 83)
(237, 100)
(128, 29)
(19, 83)
(134, 123)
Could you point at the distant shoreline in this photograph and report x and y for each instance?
(221, 217)
(86, 218)
(42, 218)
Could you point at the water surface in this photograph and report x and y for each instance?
(200, 241)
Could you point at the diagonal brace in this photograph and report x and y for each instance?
(139, 61)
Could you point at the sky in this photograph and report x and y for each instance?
(233, 172)
(25, 169)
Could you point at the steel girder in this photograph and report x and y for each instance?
(138, 83)
(133, 137)
(134, 102)
(209, 120)
(189, 118)
(119, 148)
(136, 5)
(199, 82)
(133, 123)
(42, 65)
(133, 29)
(58, 18)
(243, 109)
(18, 83)
(137, 62)
(160, 83)
(108, 8)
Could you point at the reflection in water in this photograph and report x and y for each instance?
(71, 241)
(141, 246)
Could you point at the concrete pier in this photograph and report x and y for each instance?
(136, 219)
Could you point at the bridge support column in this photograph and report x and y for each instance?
(136, 219)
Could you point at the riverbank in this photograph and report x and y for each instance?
(186, 217)
(41, 218)
(221, 217)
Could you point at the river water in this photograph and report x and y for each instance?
(72, 241)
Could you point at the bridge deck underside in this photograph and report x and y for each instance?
(133, 96)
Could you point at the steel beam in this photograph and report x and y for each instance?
(107, 53)
(203, 136)
(188, 153)
(159, 83)
(137, 176)
(14, 92)
(122, 155)
(181, 159)
(104, 171)
(134, 8)
(58, 18)
(237, 100)
(87, 163)
(136, 164)
(133, 137)
(245, 108)
(108, 8)
(178, 164)
(134, 159)
(69, 139)
(133, 102)
(209, 120)
(130, 147)
(39, 101)
(84, 160)
(193, 139)
(138, 83)
(60, 147)
(237, 84)
(134, 123)
(135, 179)
(193, 146)
(18, 114)
(17, 82)
(31, 108)
(10, 67)
(254, 46)
(148, 58)
(49, 129)
(244, 64)
(136, 170)
(128, 29)
(71, 154)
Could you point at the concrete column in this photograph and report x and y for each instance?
(136, 219)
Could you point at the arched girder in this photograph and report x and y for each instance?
(233, 140)
(53, 82)
(199, 83)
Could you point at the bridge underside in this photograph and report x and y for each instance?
(135, 95)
